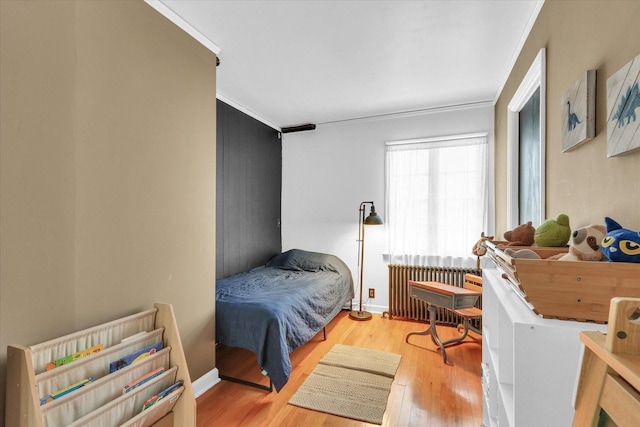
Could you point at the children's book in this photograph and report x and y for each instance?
(134, 336)
(135, 357)
(66, 390)
(161, 395)
(73, 357)
(143, 379)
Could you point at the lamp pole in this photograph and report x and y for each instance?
(372, 219)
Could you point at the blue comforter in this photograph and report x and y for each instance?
(274, 309)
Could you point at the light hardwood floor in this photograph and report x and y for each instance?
(425, 391)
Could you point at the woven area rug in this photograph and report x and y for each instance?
(350, 382)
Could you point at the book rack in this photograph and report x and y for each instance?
(102, 402)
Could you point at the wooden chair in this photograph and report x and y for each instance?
(608, 392)
(468, 315)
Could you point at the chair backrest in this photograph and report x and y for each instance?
(473, 282)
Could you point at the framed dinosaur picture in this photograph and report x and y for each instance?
(623, 101)
(578, 112)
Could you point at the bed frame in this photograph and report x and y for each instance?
(268, 388)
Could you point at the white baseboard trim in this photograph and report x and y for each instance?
(205, 382)
(376, 309)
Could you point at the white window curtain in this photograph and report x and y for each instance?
(436, 199)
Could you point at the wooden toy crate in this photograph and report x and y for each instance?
(576, 290)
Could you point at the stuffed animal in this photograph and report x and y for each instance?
(585, 244)
(522, 253)
(479, 249)
(522, 235)
(620, 244)
(553, 232)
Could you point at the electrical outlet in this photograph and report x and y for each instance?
(372, 293)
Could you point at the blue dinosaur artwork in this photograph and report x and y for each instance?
(577, 113)
(627, 106)
(572, 118)
(623, 101)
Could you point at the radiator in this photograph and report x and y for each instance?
(403, 306)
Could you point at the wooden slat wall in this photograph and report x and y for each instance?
(249, 186)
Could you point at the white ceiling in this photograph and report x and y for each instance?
(294, 62)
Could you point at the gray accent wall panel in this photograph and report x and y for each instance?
(249, 187)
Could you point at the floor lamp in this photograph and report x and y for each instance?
(372, 219)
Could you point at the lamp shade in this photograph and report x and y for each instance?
(373, 218)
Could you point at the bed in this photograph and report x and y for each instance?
(274, 309)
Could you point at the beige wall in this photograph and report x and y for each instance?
(107, 180)
(583, 183)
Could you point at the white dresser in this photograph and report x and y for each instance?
(530, 365)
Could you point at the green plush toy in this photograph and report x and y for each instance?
(553, 232)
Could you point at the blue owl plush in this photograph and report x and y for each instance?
(620, 244)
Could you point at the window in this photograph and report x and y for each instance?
(529, 160)
(526, 149)
(437, 199)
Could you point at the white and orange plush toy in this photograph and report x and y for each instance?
(584, 244)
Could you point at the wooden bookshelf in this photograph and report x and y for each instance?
(102, 401)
